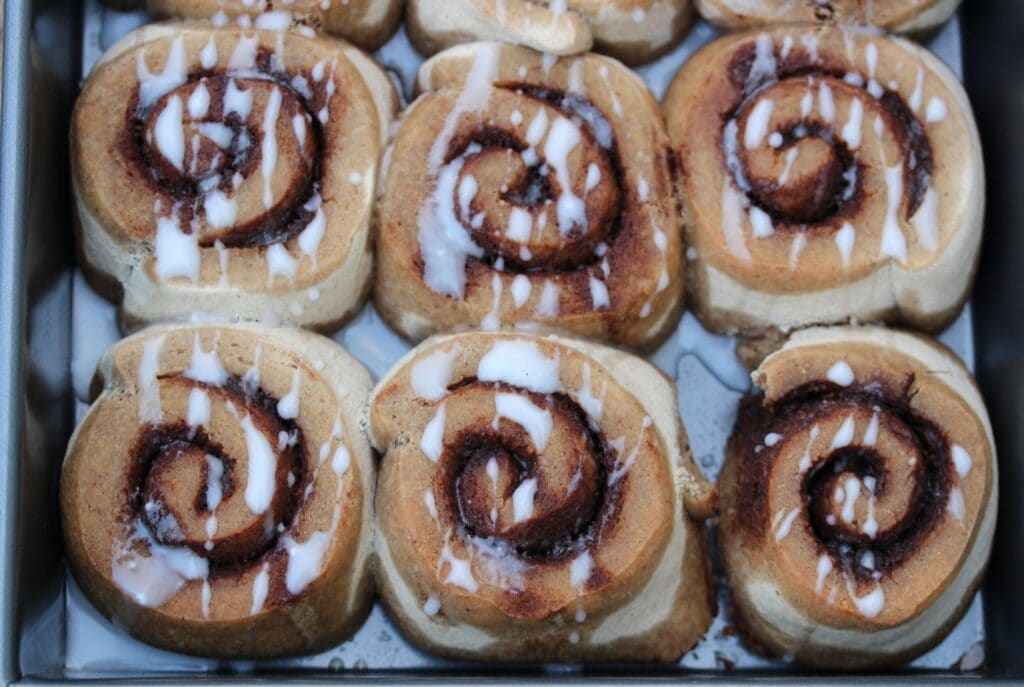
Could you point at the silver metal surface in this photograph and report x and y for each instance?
(53, 636)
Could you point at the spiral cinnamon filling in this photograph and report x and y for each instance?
(542, 503)
(204, 145)
(913, 481)
(184, 486)
(812, 175)
(521, 203)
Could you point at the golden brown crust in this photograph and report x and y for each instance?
(545, 522)
(229, 172)
(521, 190)
(827, 175)
(859, 496)
(367, 23)
(202, 495)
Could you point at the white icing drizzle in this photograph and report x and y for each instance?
(851, 492)
(824, 568)
(177, 253)
(926, 220)
(268, 161)
(492, 319)
(623, 466)
(851, 131)
(955, 505)
(169, 132)
(433, 435)
(460, 574)
(563, 137)
(841, 373)
(599, 293)
(935, 111)
(845, 238)
(305, 559)
(580, 569)
(961, 460)
(260, 587)
(893, 242)
(198, 408)
(288, 406)
(204, 598)
(150, 410)
(522, 500)
(593, 405)
(152, 87)
(786, 525)
(150, 580)
(869, 605)
(549, 300)
(871, 433)
(259, 487)
(522, 364)
(206, 366)
(430, 374)
(520, 290)
(757, 123)
(432, 605)
(805, 460)
(521, 410)
(431, 504)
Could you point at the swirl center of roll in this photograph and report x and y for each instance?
(524, 470)
(221, 489)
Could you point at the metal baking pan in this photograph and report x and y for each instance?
(52, 327)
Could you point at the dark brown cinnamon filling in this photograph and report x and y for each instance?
(184, 189)
(170, 480)
(527, 187)
(801, 409)
(819, 201)
(564, 523)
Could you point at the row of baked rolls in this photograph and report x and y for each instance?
(827, 174)
(859, 498)
(231, 172)
(634, 31)
(217, 499)
(367, 23)
(537, 501)
(898, 16)
(522, 190)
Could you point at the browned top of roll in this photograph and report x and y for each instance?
(863, 473)
(812, 157)
(228, 156)
(528, 189)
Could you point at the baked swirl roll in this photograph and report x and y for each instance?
(537, 501)
(527, 190)
(858, 498)
(367, 23)
(897, 16)
(827, 175)
(634, 31)
(229, 171)
(217, 498)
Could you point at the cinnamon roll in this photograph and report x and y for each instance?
(217, 497)
(897, 16)
(828, 174)
(532, 192)
(231, 172)
(634, 31)
(858, 498)
(367, 23)
(538, 501)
